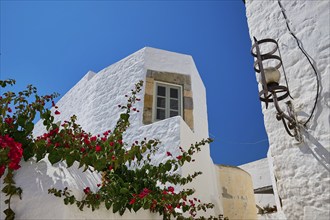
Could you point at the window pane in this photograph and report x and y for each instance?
(174, 93)
(161, 91)
(161, 102)
(174, 104)
(173, 113)
(160, 114)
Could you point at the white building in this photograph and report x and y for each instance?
(299, 171)
(169, 78)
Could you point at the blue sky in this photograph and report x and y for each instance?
(52, 44)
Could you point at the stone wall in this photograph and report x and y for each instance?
(300, 170)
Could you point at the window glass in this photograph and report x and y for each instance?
(173, 113)
(168, 101)
(160, 114)
(174, 104)
(161, 102)
(161, 91)
(174, 93)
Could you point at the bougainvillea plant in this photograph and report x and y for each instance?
(130, 181)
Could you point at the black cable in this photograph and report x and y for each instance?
(308, 58)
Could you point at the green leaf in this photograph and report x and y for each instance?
(10, 214)
(54, 157)
(168, 166)
(29, 127)
(100, 164)
(28, 152)
(21, 120)
(122, 210)
(116, 207)
(144, 149)
(136, 207)
(124, 116)
(124, 190)
(9, 190)
(69, 160)
(146, 205)
(108, 204)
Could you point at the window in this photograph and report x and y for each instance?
(174, 97)
(168, 101)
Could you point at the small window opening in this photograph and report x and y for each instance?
(168, 101)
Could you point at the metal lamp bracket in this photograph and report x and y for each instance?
(273, 92)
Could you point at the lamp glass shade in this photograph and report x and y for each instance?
(272, 75)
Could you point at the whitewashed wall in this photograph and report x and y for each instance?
(94, 99)
(301, 170)
(260, 174)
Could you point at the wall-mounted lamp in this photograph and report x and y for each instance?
(268, 64)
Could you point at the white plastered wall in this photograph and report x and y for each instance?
(260, 174)
(302, 170)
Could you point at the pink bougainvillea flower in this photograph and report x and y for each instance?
(179, 157)
(132, 201)
(87, 190)
(164, 192)
(93, 138)
(15, 151)
(144, 193)
(111, 143)
(9, 121)
(110, 167)
(168, 153)
(120, 142)
(82, 150)
(98, 148)
(13, 166)
(2, 170)
(169, 207)
(153, 205)
(171, 189)
(57, 112)
(86, 141)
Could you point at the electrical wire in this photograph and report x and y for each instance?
(239, 143)
(309, 60)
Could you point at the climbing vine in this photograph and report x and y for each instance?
(130, 181)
